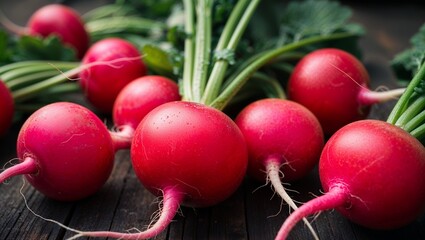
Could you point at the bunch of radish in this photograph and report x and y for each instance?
(79, 31)
(368, 167)
(66, 152)
(99, 74)
(180, 138)
(56, 20)
(108, 66)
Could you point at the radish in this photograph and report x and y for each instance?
(65, 151)
(284, 139)
(281, 133)
(372, 171)
(216, 146)
(333, 84)
(59, 20)
(137, 99)
(7, 108)
(101, 84)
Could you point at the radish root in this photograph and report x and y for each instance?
(273, 174)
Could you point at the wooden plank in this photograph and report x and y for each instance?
(18, 222)
(227, 220)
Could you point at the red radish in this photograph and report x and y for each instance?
(59, 20)
(191, 154)
(281, 133)
(138, 98)
(7, 108)
(333, 84)
(101, 84)
(284, 139)
(373, 174)
(65, 152)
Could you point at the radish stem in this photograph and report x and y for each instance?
(11, 26)
(27, 166)
(336, 197)
(403, 102)
(368, 97)
(202, 49)
(217, 75)
(189, 49)
(122, 138)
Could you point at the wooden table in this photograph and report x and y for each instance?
(253, 212)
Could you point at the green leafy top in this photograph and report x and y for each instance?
(409, 66)
(406, 63)
(303, 26)
(26, 48)
(310, 18)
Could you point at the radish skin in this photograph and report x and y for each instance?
(7, 108)
(334, 85)
(366, 169)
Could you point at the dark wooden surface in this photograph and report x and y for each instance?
(253, 212)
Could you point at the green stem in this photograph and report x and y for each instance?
(64, 88)
(11, 75)
(105, 11)
(28, 107)
(23, 66)
(414, 109)
(231, 23)
(415, 122)
(188, 50)
(123, 24)
(235, 84)
(32, 90)
(283, 67)
(202, 49)
(403, 103)
(419, 132)
(229, 41)
(28, 79)
(271, 87)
